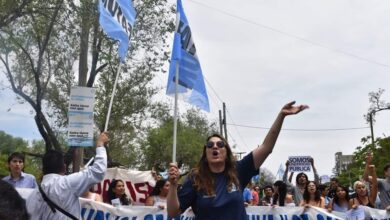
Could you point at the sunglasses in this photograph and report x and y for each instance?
(219, 144)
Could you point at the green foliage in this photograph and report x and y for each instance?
(380, 149)
(10, 10)
(41, 49)
(10, 144)
(381, 157)
(266, 177)
(192, 130)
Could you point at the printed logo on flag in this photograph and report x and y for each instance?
(191, 86)
(117, 18)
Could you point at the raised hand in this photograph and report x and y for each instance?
(173, 174)
(369, 158)
(102, 139)
(290, 109)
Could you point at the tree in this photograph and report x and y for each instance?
(10, 144)
(40, 50)
(355, 170)
(193, 129)
(381, 149)
(377, 104)
(11, 10)
(31, 57)
(266, 177)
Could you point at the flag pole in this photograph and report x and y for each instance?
(175, 113)
(112, 96)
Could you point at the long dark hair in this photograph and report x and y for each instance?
(157, 189)
(282, 192)
(336, 198)
(299, 176)
(203, 177)
(111, 195)
(306, 194)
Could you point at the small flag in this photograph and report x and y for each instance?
(280, 172)
(191, 86)
(117, 19)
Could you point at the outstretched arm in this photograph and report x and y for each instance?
(286, 173)
(262, 152)
(316, 176)
(290, 177)
(81, 181)
(373, 184)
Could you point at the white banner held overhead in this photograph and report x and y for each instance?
(80, 113)
(299, 164)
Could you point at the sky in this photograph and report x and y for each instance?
(258, 55)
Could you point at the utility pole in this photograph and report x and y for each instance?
(220, 123)
(239, 154)
(224, 121)
(372, 124)
(372, 129)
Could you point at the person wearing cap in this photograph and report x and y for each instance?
(214, 188)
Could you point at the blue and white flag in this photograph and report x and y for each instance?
(117, 19)
(280, 172)
(191, 86)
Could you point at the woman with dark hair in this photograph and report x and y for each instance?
(158, 196)
(214, 188)
(281, 197)
(312, 196)
(301, 181)
(340, 201)
(116, 190)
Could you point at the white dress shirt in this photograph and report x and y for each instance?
(66, 190)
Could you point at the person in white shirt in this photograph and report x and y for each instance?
(63, 190)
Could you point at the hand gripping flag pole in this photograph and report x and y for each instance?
(117, 19)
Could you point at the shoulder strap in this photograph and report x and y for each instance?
(54, 206)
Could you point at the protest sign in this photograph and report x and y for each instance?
(299, 164)
(80, 113)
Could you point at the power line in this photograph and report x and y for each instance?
(215, 92)
(299, 129)
(238, 132)
(292, 35)
(231, 118)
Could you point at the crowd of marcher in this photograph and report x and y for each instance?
(219, 187)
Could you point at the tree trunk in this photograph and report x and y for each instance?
(78, 153)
